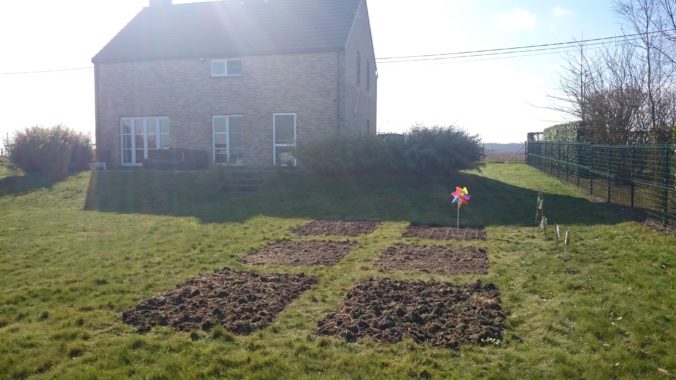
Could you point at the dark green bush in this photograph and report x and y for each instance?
(54, 152)
(423, 150)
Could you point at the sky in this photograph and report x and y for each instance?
(498, 99)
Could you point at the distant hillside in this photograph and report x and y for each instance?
(503, 148)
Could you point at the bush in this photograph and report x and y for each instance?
(423, 150)
(54, 152)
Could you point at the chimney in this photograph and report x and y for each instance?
(160, 3)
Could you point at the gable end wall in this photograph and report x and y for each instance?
(358, 104)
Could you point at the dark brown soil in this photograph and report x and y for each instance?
(441, 260)
(297, 253)
(444, 233)
(240, 301)
(435, 313)
(336, 227)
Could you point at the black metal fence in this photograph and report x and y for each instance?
(637, 176)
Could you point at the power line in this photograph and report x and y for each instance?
(524, 48)
(48, 71)
(498, 55)
(469, 60)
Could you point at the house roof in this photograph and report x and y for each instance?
(232, 28)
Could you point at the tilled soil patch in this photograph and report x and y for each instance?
(336, 227)
(444, 233)
(434, 259)
(239, 301)
(439, 314)
(296, 253)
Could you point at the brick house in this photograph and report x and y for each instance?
(245, 80)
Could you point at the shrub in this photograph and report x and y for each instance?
(442, 150)
(54, 152)
(423, 150)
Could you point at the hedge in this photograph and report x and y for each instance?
(54, 152)
(422, 150)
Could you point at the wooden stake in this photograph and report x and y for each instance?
(543, 225)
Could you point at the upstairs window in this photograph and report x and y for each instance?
(226, 67)
(368, 76)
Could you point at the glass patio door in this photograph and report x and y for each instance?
(228, 139)
(140, 136)
(284, 137)
(133, 141)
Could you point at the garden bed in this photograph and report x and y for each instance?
(239, 301)
(336, 227)
(444, 232)
(438, 314)
(435, 259)
(297, 253)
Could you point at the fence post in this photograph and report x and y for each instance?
(591, 168)
(608, 171)
(667, 177)
(577, 165)
(631, 174)
(565, 150)
(558, 160)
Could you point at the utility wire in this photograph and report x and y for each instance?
(48, 71)
(552, 46)
(509, 54)
(485, 59)
(498, 53)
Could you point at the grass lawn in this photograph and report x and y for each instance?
(75, 254)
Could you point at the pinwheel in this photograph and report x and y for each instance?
(460, 197)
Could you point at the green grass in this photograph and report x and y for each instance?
(75, 254)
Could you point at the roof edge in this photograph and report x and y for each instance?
(197, 56)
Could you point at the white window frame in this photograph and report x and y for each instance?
(225, 63)
(132, 123)
(227, 139)
(274, 136)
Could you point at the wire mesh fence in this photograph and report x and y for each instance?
(638, 176)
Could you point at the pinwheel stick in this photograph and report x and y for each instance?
(457, 218)
(460, 196)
